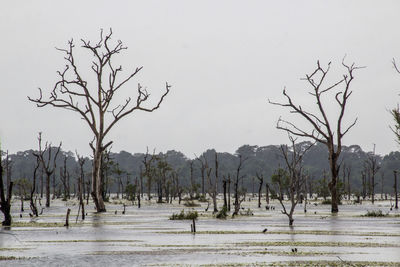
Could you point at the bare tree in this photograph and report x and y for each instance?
(48, 165)
(94, 103)
(322, 129)
(293, 178)
(202, 171)
(149, 171)
(372, 166)
(240, 195)
(64, 177)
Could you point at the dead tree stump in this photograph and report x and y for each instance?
(67, 218)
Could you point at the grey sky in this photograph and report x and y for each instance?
(224, 59)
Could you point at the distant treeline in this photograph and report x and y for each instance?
(124, 167)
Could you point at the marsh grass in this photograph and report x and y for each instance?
(309, 264)
(315, 244)
(298, 232)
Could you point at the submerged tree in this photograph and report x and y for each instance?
(95, 102)
(322, 129)
(5, 197)
(48, 165)
(291, 179)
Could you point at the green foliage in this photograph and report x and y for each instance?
(375, 213)
(190, 215)
(396, 117)
(202, 198)
(130, 191)
(23, 187)
(327, 201)
(222, 214)
(322, 188)
(281, 178)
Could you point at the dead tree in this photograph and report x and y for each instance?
(5, 199)
(148, 172)
(33, 203)
(48, 165)
(94, 103)
(224, 182)
(292, 179)
(382, 182)
(261, 181)
(372, 165)
(322, 129)
(81, 184)
(202, 171)
(238, 195)
(346, 174)
(64, 177)
(364, 184)
(211, 189)
(192, 183)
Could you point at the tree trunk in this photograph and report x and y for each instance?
(373, 188)
(259, 193)
(267, 193)
(48, 190)
(333, 183)
(229, 193)
(96, 182)
(395, 191)
(5, 203)
(224, 187)
(41, 182)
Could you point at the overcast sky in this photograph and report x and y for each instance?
(224, 59)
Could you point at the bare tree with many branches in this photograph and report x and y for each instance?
(322, 129)
(94, 103)
(292, 178)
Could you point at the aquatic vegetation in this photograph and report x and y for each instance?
(190, 215)
(375, 213)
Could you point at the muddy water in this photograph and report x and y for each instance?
(146, 236)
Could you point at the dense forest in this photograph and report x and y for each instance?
(123, 168)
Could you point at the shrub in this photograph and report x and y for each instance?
(190, 215)
(190, 204)
(248, 212)
(222, 214)
(375, 213)
(202, 198)
(326, 202)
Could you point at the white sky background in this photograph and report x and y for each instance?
(224, 59)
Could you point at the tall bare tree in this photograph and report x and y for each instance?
(94, 103)
(323, 129)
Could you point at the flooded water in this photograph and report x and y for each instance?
(146, 236)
